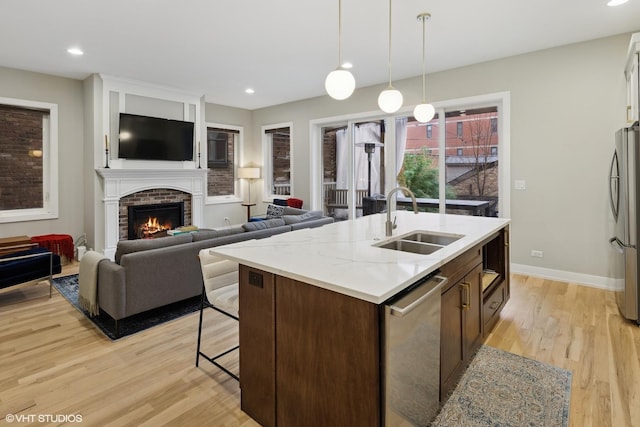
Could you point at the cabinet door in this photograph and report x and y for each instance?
(257, 345)
(451, 353)
(472, 311)
(328, 358)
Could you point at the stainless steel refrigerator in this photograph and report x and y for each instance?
(624, 191)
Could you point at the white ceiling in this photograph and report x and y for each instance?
(285, 48)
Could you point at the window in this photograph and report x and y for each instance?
(277, 157)
(418, 167)
(429, 131)
(430, 167)
(473, 177)
(470, 160)
(29, 161)
(219, 142)
(223, 146)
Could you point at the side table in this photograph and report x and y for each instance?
(248, 205)
(14, 244)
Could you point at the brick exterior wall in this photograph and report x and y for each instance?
(329, 164)
(20, 171)
(220, 179)
(150, 197)
(282, 156)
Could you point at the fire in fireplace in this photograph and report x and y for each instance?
(151, 221)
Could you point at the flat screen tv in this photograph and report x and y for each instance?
(152, 138)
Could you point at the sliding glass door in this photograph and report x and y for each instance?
(353, 166)
(457, 163)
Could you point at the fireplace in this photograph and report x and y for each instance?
(151, 221)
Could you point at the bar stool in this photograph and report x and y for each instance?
(219, 292)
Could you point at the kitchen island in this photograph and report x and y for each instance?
(310, 311)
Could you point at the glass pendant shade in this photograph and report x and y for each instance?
(340, 84)
(390, 100)
(424, 112)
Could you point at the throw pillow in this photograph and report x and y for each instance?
(274, 211)
(291, 219)
(288, 210)
(294, 219)
(263, 225)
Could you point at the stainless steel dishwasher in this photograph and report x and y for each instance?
(412, 354)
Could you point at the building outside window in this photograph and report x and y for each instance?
(277, 155)
(223, 145)
(28, 164)
(471, 157)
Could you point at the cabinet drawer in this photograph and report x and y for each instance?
(458, 267)
(491, 307)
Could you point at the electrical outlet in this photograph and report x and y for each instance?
(536, 254)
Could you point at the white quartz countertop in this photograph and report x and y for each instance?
(341, 256)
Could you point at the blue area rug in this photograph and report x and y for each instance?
(68, 288)
(504, 389)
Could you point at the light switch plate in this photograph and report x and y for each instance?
(519, 184)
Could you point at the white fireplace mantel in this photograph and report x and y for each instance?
(122, 182)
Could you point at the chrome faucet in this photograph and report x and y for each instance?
(389, 226)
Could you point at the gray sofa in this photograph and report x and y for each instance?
(152, 273)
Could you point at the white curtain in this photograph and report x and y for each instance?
(342, 159)
(401, 142)
(367, 133)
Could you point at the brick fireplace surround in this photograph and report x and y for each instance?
(148, 186)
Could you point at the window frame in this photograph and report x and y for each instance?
(267, 156)
(237, 195)
(502, 100)
(50, 190)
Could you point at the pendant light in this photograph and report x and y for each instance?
(340, 83)
(390, 99)
(424, 112)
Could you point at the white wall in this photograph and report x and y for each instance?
(566, 104)
(237, 214)
(67, 93)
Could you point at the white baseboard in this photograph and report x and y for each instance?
(599, 282)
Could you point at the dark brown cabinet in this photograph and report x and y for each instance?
(477, 290)
(495, 279)
(461, 324)
(318, 352)
(257, 344)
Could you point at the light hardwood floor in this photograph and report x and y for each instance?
(52, 361)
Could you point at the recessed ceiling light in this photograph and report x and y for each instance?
(249, 90)
(616, 2)
(75, 51)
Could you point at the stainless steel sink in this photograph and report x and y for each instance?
(420, 242)
(435, 238)
(409, 246)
